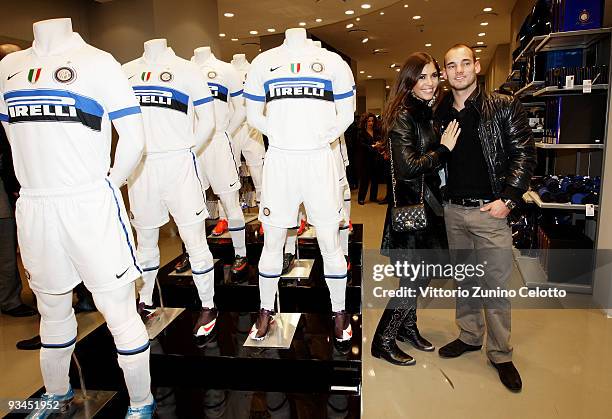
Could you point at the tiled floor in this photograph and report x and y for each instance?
(564, 356)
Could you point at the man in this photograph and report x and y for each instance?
(488, 171)
(10, 281)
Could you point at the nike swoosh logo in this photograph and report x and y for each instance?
(119, 276)
(208, 329)
(275, 68)
(200, 212)
(233, 184)
(13, 75)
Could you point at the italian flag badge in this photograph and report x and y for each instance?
(145, 76)
(295, 68)
(34, 75)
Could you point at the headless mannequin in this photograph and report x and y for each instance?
(230, 210)
(58, 323)
(327, 235)
(239, 61)
(193, 235)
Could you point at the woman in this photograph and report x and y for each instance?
(369, 135)
(416, 153)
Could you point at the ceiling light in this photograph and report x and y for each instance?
(271, 30)
(478, 50)
(484, 23)
(358, 19)
(417, 17)
(479, 43)
(234, 39)
(428, 45)
(361, 71)
(369, 76)
(349, 12)
(364, 40)
(397, 69)
(222, 35)
(393, 65)
(487, 9)
(405, 5)
(228, 14)
(365, 6)
(477, 58)
(387, 87)
(349, 26)
(481, 34)
(253, 32)
(302, 23)
(382, 13)
(318, 20)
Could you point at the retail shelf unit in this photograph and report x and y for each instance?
(534, 276)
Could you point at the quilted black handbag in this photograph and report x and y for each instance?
(408, 217)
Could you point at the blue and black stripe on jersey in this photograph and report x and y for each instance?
(218, 91)
(162, 97)
(50, 105)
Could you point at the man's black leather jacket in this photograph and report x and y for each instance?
(506, 138)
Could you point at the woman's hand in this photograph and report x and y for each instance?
(451, 133)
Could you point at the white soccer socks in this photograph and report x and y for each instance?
(271, 265)
(58, 339)
(201, 260)
(147, 254)
(235, 220)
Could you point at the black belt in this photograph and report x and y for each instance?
(468, 202)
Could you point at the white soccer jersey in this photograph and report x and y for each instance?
(224, 83)
(299, 91)
(57, 110)
(168, 91)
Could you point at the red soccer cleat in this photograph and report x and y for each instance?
(350, 226)
(302, 228)
(220, 228)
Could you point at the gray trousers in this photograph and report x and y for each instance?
(477, 237)
(10, 282)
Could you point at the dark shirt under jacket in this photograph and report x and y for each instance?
(468, 176)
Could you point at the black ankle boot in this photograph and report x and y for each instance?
(383, 343)
(409, 332)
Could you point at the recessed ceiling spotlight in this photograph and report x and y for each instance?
(405, 5)
(234, 39)
(428, 44)
(364, 40)
(302, 23)
(369, 76)
(365, 6)
(484, 23)
(228, 14)
(397, 69)
(478, 50)
(393, 65)
(481, 34)
(361, 71)
(387, 87)
(479, 43)
(222, 35)
(381, 13)
(358, 19)
(318, 20)
(349, 12)
(271, 30)
(253, 32)
(417, 17)
(487, 9)
(477, 58)
(349, 26)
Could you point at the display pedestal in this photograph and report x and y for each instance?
(158, 321)
(87, 405)
(301, 269)
(280, 334)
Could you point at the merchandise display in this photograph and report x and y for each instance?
(568, 189)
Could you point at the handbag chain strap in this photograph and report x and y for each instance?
(393, 181)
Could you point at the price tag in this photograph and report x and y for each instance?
(569, 82)
(586, 86)
(590, 210)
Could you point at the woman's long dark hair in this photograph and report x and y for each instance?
(363, 123)
(406, 80)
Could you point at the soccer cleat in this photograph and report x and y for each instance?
(343, 332)
(183, 265)
(288, 259)
(142, 412)
(239, 265)
(260, 329)
(204, 330)
(220, 228)
(350, 226)
(348, 263)
(261, 230)
(302, 227)
(145, 311)
(53, 405)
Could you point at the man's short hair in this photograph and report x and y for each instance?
(457, 46)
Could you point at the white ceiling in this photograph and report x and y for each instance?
(443, 23)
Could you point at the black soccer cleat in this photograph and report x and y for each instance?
(183, 265)
(239, 266)
(204, 330)
(343, 332)
(288, 260)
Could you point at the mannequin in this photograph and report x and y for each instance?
(167, 180)
(220, 165)
(66, 175)
(240, 61)
(299, 162)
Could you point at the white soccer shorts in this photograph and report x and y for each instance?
(219, 164)
(73, 235)
(167, 183)
(294, 177)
